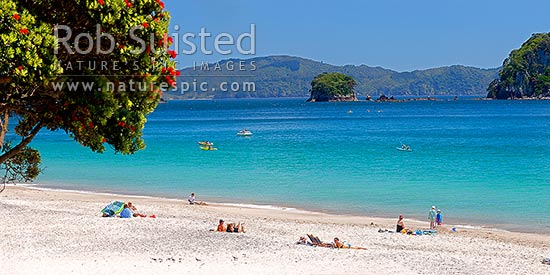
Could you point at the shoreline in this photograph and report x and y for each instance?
(60, 232)
(463, 224)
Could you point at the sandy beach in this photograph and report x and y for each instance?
(61, 232)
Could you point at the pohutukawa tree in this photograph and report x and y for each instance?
(92, 68)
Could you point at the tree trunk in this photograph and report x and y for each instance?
(4, 127)
(26, 140)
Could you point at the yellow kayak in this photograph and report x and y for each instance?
(209, 148)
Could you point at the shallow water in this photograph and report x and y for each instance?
(481, 162)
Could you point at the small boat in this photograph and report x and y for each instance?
(206, 143)
(244, 133)
(404, 148)
(208, 148)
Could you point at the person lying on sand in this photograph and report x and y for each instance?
(221, 226)
(315, 241)
(340, 245)
(134, 211)
(235, 228)
(230, 228)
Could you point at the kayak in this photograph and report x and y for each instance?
(244, 133)
(209, 148)
(403, 149)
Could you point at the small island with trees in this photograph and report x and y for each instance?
(328, 87)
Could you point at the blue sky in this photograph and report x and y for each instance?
(401, 35)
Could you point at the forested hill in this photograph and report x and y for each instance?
(287, 76)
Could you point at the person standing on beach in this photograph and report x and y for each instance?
(431, 216)
(438, 218)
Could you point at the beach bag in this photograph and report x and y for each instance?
(126, 213)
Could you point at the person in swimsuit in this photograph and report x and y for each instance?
(221, 226)
(134, 211)
(400, 224)
(235, 228)
(340, 245)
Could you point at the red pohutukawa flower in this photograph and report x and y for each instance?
(145, 25)
(24, 31)
(161, 4)
(16, 16)
(20, 68)
(101, 2)
(170, 81)
(172, 53)
(128, 3)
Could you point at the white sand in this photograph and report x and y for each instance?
(54, 232)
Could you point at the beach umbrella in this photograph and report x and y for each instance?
(113, 208)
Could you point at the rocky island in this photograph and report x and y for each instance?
(526, 72)
(332, 87)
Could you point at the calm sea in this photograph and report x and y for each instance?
(481, 162)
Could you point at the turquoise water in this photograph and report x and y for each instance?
(481, 162)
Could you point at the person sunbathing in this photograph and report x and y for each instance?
(221, 226)
(315, 241)
(134, 210)
(340, 245)
(235, 228)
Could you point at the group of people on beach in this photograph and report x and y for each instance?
(230, 227)
(128, 211)
(434, 216)
(222, 227)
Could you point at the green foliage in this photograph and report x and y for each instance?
(329, 86)
(23, 167)
(525, 72)
(114, 110)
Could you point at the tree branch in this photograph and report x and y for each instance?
(13, 151)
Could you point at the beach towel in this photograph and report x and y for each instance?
(113, 208)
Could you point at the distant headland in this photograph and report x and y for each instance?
(526, 72)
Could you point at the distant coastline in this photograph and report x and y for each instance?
(290, 76)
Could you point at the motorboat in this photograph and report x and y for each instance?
(244, 133)
(404, 148)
